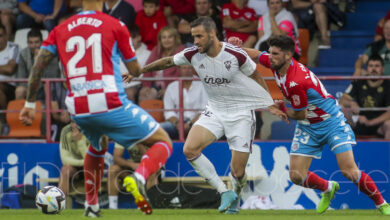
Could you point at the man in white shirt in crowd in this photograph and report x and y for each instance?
(235, 89)
(194, 97)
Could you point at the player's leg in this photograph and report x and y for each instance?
(362, 180)
(67, 172)
(93, 173)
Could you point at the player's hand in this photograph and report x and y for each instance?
(126, 77)
(27, 116)
(235, 41)
(274, 109)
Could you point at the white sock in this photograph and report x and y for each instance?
(238, 184)
(384, 203)
(330, 185)
(94, 208)
(140, 177)
(113, 202)
(206, 169)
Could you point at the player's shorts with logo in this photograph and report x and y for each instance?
(239, 128)
(126, 125)
(309, 140)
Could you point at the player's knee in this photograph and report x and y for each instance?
(296, 177)
(67, 171)
(237, 172)
(351, 174)
(190, 152)
(113, 169)
(104, 142)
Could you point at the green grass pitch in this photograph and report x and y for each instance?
(195, 214)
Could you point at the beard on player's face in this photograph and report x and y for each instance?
(207, 45)
(278, 66)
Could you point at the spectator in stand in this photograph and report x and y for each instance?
(9, 53)
(240, 21)
(143, 54)
(150, 21)
(203, 8)
(39, 13)
(369, 94)
(194, 97)
(381, 47)
(169, 43)
(173, 9)
(121, 168)
(73, 147)
(26, 61)
(379, 27)
(137, 4)
(121, 10)
(312, 13)
(277, 21)
(8, 12)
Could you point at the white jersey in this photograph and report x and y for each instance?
(225, 78)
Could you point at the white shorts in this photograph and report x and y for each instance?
(239, 128)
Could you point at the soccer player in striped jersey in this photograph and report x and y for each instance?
(235, 89)
(320, 122)
(90, 45)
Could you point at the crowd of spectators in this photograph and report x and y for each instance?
(161, 28)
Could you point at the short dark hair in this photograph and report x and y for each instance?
(35, 32)
(376, 57)
(156, 2)
(134, 31)
(284, 42)
(206, 22)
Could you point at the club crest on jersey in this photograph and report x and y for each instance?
(202, 66)
(228, 64)
(295, 147)
(296, 99)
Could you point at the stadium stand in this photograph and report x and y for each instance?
(21, 37)
(16, 128)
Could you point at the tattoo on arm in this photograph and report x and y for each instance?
(41, 61)
(160, 64)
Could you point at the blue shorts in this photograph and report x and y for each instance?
(126, 125)
(309, 140)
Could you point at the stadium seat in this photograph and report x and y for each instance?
(304, 39)
(16, 128)
(272, 86)
(280, 130)
(154, 104)
(21, 37)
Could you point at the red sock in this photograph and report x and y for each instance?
(154, 159)
(313, 181)
(93, 172)
(368, 187)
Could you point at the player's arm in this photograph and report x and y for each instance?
(297, 115)
(256, 76)
(43, 59)
(120, 161)
(253, 53)
(160, 64)
(359, 64)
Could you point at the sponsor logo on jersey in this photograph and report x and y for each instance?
(296, 99)
(228, 64)
(91, 85)
(216, 81)
(292, 84)
(248, 14)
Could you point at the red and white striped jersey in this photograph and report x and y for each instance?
(225, 78)
(90, 45)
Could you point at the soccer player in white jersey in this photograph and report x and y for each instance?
(235, 89)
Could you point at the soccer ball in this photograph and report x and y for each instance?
(50, 200)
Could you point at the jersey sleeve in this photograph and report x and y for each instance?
(125, 44)
(248, 67)
(298, 98)
(184, 57)
(50, 42)
(264, 59)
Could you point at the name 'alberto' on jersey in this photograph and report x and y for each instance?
(225, 78)
(305, 91)
(90, 45)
